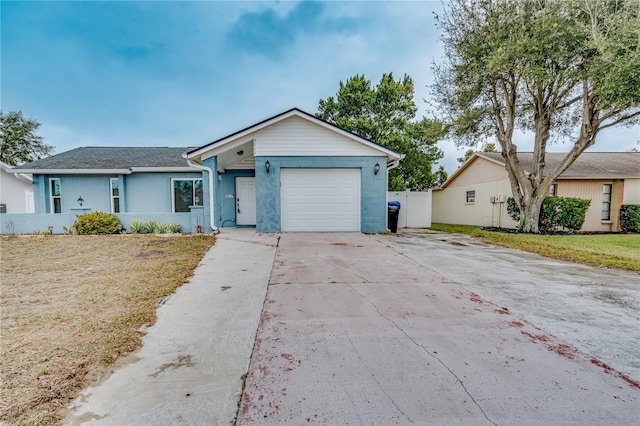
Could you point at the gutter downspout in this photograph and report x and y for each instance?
(210, 172)
(394, 164)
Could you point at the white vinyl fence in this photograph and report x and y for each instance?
(415, 208)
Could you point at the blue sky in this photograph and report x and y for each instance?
(154, 73)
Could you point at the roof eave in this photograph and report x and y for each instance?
(602, 177)
(175, 169)
(76, 171)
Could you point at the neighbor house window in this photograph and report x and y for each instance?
(553, 190)
(606, 201)
(56, 201)
(114, 187)
(471, 196)
(186, 192)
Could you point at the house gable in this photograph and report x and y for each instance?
(476, 170)
(296, 136)
(293, 129)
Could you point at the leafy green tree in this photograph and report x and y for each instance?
(468, 154)
(441, 176)
(552, 68)
(385, 114)
(490, 147)
(19, 142)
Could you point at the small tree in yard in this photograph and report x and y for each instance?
(19, 142)
(564, 68)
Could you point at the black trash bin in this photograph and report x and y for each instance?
(393, 210)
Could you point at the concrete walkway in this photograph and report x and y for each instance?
(191, 366)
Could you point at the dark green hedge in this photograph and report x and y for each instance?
(557, 212)
(630, 218)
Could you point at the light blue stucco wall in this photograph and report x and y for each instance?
(139, 192)
(29, 223)
(151, 192)
(94, 190)
(373, 190)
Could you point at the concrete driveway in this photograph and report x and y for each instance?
(596, 310)
(350, 328)
(354, 332)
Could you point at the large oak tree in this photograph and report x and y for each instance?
(385, 114)
(554, 69)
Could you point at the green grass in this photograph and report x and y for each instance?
(620, 251)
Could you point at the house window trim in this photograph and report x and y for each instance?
(113, 197)
(608, 203)
(193, 188)
(53, 197)
(467, 193)
(553, 193)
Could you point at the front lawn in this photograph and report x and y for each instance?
(606, 250)
(71, 305)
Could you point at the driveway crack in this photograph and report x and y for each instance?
(342, 267)
(375, 378)
(362, 361)
(434, 356)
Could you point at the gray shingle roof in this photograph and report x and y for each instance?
(112, 158)
(590, 165)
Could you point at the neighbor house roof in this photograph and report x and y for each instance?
(12, 170)
(293, 112)
(103, 160)
(589, 165)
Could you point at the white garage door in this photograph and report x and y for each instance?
(320, 199)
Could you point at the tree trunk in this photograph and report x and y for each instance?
(530, 214)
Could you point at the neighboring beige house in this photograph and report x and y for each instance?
(16, 191)
(476, 193)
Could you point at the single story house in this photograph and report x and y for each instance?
(476, 193)
(290, 172)
(16, 190)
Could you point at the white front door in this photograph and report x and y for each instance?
(245, 201)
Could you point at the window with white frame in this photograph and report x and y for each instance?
(606, 201)
(55, 195)
(114, 188)
(471, 196)
(185, 193)
(553, 190)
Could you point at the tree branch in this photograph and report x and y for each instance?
(619, 120)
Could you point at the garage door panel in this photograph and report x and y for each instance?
(320, 199)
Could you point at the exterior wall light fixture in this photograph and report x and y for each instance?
(376, 168)
(267, 166)
(80, 201)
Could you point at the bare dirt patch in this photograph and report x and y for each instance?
(71, 305)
